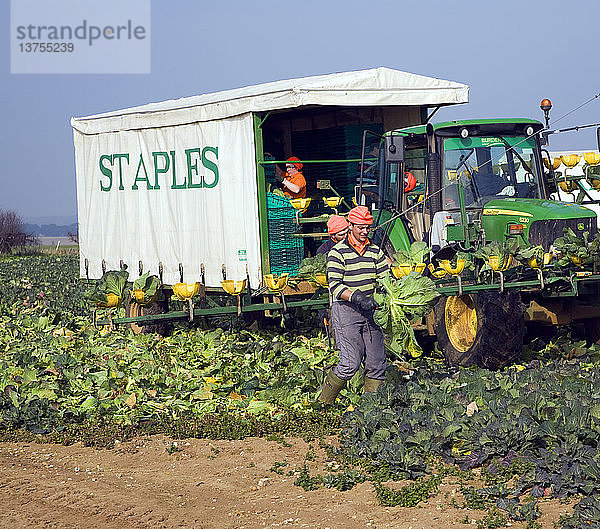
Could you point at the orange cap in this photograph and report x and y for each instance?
(360, 215)
(335, 224)
(296, 162)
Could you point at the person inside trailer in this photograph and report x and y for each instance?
(337, 227)
(292, 180)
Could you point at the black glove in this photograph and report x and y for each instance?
(366, 303)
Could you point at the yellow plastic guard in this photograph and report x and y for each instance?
(570, 160)
(139, 295)
(460, 266)
(332, 202)
(233, 287)
(568, 187)
(533, 263)
(494, 261)
(276, 284)
(592, 158)
(301, 204)
(401, 270)
(555, 163)
(322, 279)
(419, 268)
(576, 260)
(112, 300)
(438, 273)
(185, 291)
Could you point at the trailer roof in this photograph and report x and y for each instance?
(373, 87)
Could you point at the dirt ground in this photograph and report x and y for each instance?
(152, 483)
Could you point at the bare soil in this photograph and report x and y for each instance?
(152, 483)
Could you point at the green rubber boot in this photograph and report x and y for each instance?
(371, 384)
(331, 387)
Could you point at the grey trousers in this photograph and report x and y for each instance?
(358, 338)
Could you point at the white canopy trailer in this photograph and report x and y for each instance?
(180, 185)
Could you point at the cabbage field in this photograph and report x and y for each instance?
(512, 439)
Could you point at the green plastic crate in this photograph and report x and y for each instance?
(286, 257)
(285, 252)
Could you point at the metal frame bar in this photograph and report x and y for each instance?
(216, 311)
(571, 280)
(263, 225)
(347, 160)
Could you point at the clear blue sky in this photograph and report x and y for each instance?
(508, 52)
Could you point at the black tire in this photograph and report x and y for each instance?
(484, 329)
(591, 330)
(160, 306)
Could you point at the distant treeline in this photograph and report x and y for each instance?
(50, 230)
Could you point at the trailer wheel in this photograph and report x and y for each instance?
(133, 309)
(484, 329)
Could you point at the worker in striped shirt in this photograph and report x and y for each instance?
(353, 266)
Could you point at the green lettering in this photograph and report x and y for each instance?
(144, 178)
(165, 169)
(106, 171)
(118, 157)
(192, 168)
(210, 165)
(175, 184)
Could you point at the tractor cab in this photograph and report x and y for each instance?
(459, 184)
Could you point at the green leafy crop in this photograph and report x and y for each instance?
(575, 249)
(113, 283)
(533, 430)
(149, 285)
(311, 266)
(399, 303)
(415, 255)
(503, 250)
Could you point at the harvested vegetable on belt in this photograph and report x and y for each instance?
(109, 291)
(311, 266)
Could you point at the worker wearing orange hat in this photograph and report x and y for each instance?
(293, 181)
(353, 266)
(337, 227)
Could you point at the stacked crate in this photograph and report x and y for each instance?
(335, 143)
(285, 252)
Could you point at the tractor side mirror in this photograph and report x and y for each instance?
(549, 176)
(598, 135)
(550, 182)
(394, 149)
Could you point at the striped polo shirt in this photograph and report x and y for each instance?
(347, 269)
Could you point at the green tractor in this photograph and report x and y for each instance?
(461, 185)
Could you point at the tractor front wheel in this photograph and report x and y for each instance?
(484, 329)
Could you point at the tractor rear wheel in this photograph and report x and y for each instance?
(484, 329)
(133, 309)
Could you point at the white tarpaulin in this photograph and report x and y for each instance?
(175, 182)
(184, 194)
(374, 87)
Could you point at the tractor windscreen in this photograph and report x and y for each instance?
(489, 168)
